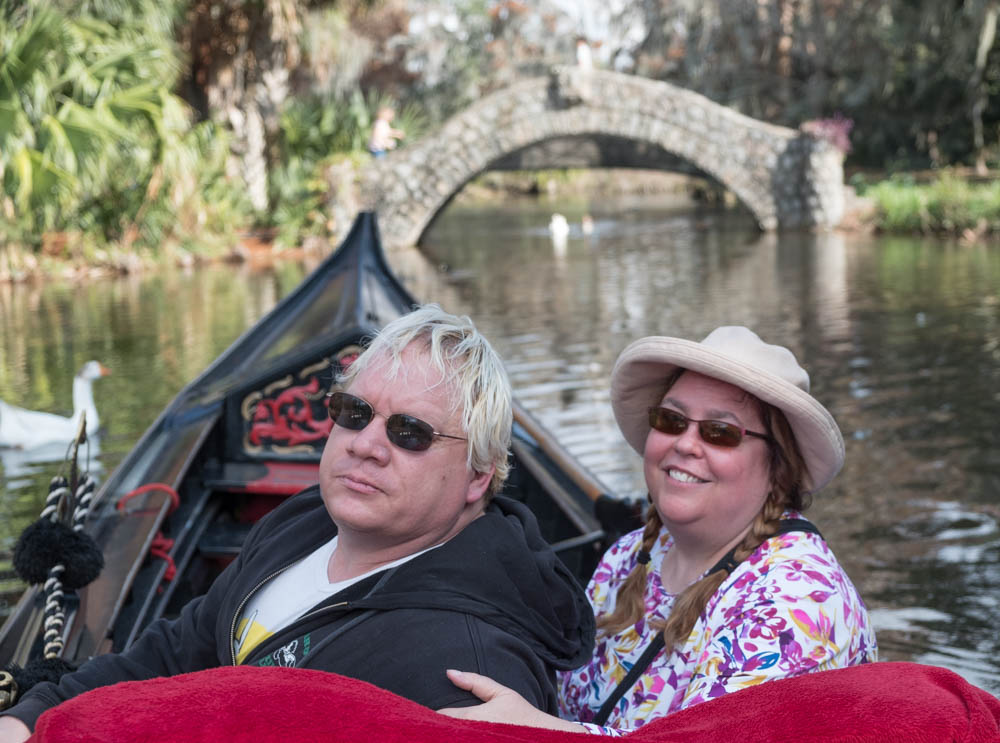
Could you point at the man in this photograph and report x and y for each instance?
(400, 563)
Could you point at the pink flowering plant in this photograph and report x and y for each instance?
(836, 131)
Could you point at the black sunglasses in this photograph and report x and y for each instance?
(716, 433)
(404, 431)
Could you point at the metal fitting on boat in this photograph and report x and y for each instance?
(8, 690)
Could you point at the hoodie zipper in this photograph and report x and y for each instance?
(296, 627)
(321, 610)
(239, 609)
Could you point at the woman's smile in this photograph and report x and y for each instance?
(682, 476)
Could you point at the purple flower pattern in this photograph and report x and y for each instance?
(788, 609)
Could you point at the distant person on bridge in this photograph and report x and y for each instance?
(384, 137)
(727, 586)
(584, 57)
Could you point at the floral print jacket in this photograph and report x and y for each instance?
(788, 609)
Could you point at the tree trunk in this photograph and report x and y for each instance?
(242, 51)
(987, 34)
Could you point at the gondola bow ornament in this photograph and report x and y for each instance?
(56, 552)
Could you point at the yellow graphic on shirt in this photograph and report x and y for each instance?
(249, 634)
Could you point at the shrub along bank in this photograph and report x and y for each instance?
(948, 203)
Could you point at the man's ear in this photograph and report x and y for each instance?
(478, 485)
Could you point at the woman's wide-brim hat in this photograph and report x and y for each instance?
(736, 355)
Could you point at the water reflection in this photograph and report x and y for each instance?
(21, 466)
(901, 337)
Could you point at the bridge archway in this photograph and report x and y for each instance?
(785, 178)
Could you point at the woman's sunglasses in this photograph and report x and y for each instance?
(405, 431)
(716, 433)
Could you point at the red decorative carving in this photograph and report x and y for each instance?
(291, 419)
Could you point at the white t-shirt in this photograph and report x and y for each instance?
(291, 594)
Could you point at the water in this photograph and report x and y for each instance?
(155, 333)
(901, 337)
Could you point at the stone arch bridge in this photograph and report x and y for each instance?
(590, 118)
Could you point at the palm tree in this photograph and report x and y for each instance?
(244, 58)
(241, 55)
(92, 139)
(84, 103)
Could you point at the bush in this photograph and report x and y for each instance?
(947, 205)
(95, 149)
(317, 132)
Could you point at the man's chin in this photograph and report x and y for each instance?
(349, 507)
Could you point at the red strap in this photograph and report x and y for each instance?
(175, 500)
(160, 547)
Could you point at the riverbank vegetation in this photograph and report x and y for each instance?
(147, 130)
(105, 166)
(948, 204)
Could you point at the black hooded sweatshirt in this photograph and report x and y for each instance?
(494, 599)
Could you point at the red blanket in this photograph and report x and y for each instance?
(880, 702)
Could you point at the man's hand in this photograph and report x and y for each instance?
(13, 730)
(501, 704)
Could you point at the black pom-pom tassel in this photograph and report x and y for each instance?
(45, 544)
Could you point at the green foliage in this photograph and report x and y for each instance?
(92, 140)
(200, 203)
(312, 126)
(947, 205)
(297, 194)
(317, 132)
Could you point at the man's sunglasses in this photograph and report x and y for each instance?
(716, 433)
(405, 431)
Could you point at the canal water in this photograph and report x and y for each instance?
(901, 337)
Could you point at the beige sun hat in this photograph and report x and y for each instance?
(736, 355)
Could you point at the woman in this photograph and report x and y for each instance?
(733, 444)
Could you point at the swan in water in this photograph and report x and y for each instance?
(27, 429)
(558, 230)
(558, 226)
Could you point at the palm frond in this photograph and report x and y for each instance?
(59, 146)
(26, 50)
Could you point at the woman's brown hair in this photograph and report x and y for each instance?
(787, 474)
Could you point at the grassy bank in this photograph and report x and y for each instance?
(947, 204)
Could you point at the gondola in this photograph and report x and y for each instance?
(247, 433)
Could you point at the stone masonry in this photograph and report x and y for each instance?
(786, 178)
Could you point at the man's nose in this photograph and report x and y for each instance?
(371, 441)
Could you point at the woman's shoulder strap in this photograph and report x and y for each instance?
(785, 526)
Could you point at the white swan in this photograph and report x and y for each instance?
(26, 429)
(558, 226)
